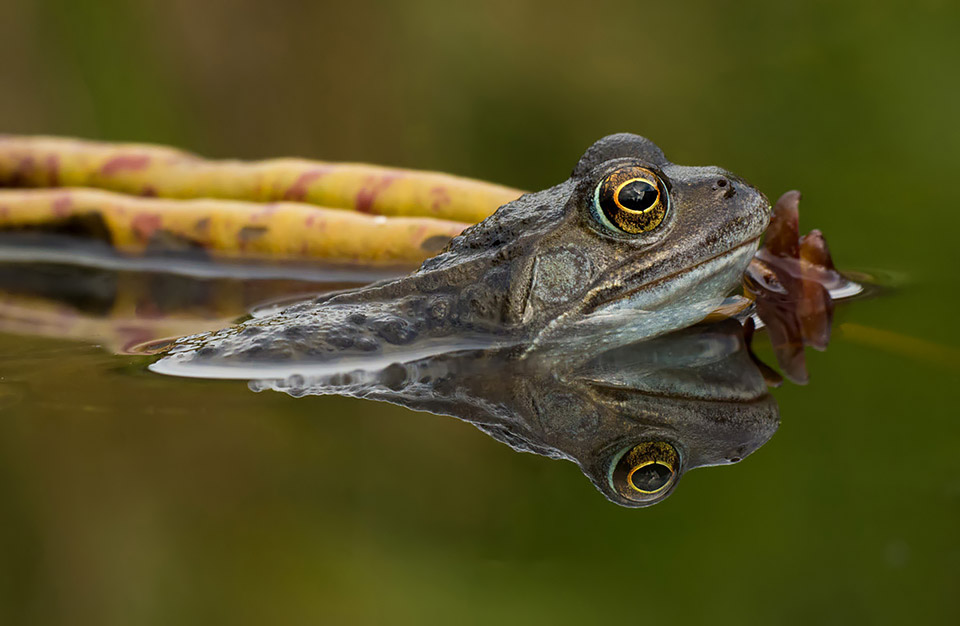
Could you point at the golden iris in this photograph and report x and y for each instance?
(646, 470)
(632, 199)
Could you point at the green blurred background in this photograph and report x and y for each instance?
(128, 498)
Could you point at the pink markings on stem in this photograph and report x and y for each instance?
(298, 190)
(440, 197)
(52, 164)
(126, 162)
(145, 224)
(22, 173)
(265, 212)
(374, 187)
(62, 206)
(312, 220)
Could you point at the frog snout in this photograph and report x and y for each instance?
(745, 206)
(740, 192)
(736, 192)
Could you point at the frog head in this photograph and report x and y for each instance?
(631, 244)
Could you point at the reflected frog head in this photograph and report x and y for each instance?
(661, 438)
(638, 417)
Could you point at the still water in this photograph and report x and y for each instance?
(130, 493)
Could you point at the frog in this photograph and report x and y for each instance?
(630, 246)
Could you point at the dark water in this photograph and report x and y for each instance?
(132, 498)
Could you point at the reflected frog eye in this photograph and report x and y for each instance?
(646, 471)
(632, 200)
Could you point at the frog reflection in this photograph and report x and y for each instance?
(634, 418)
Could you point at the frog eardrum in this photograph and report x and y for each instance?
(646, 471)
(631, 200)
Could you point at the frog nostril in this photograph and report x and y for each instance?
(726, 187)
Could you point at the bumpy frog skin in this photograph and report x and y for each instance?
(545, 269)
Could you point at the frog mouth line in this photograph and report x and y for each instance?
(628, 293)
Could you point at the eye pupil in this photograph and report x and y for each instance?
(638, 195)
(650, 477)
(631, 200)
(644, 473)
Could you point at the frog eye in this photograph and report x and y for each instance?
(632, 200)
(646, 471)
